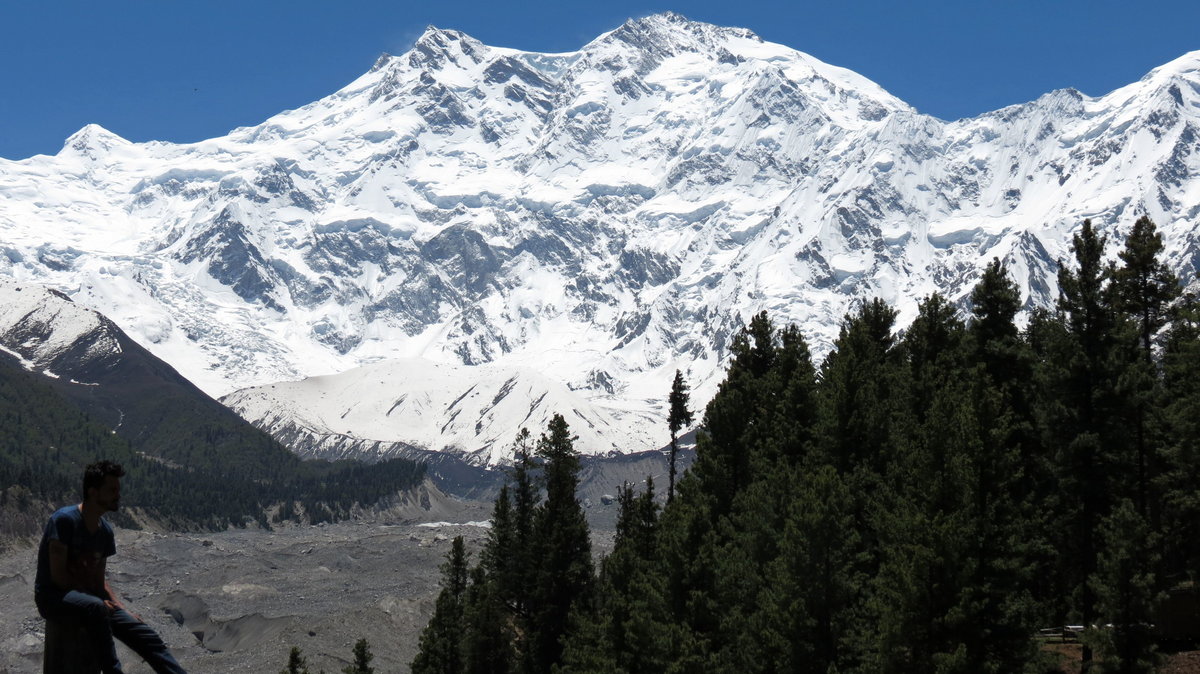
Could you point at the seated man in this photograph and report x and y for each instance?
(70, 580)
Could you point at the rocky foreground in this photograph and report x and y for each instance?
(237, 601)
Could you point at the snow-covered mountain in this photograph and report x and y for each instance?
(601, 217)
(387, 408)
(47, 333)
(95, 367)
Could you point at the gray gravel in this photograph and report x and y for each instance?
(237, 601)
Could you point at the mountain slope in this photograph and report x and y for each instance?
(602, 217)
(389, 408)
(74, 389)
(89, 361)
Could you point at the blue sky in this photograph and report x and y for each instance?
(183, 71)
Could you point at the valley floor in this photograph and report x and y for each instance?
(237, 601)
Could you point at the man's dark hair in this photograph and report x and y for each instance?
(94, 474)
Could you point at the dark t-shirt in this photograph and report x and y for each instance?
(84, 549)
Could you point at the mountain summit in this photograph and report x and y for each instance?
(602, 217)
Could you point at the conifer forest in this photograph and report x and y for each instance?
(233, 476)
(925, 500)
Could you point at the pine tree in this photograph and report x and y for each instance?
(362, 659)
(815, 584)
(1124, 585)
(496, 556)
(922, 513)
(1181, 455)
(439, 649)
(995, 301)
(736, 437)
(721, 534)
(1145, 286)
(789, 403)
(516, 587)
(995, 341)
(490, 644)
(860, 392)
(945, 597)
(1016, 489)
(746, 544)
(627, 631)
(953, 587)
(488, 640)
(1008, 364)
(933, 346)
(678, 417)
(511, 557)
(880, 517)
(1051, 346)
(562, 548)
(1089, 431)
(863, 414)
(296, 663)
(722, 465)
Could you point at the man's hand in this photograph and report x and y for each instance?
(115, 604)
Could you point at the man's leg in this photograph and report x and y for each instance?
(144, 641)
(92, 613)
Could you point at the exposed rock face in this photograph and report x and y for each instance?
(603, 216)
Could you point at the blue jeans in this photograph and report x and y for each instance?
(102, 625)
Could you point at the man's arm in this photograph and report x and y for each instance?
(113, 600)
(59, 572)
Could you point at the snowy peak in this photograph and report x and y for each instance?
(48, 333)
(644, 44)
(437, 48)
(602, 217)
(669, 34)
(1185, 67)
(91, 142)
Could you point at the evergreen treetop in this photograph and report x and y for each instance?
(362, 659)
